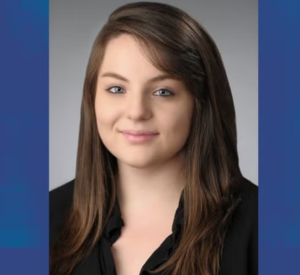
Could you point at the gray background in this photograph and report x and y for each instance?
(74, 24)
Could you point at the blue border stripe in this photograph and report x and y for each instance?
(279, 137)
(24, 134)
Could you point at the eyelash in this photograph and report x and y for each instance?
(170, 93)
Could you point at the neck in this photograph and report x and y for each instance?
(141, 190)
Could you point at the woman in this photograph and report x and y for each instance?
(158, 186)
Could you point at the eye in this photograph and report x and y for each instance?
(115, 90)
(164, 92)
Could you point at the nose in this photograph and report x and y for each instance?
(138, 107)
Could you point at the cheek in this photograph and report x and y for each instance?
(179, 118)
(180, 126)
(177, 125)
(106, 115)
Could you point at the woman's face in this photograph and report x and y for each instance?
(143, 118)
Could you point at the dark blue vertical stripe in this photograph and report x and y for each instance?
(24, 153)
(279, 137)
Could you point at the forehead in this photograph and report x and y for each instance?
(125, 56)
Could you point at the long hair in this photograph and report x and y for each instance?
(177, 44)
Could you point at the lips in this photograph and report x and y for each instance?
(139, 132)
(139, 136)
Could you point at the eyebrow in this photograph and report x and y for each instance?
(154, 79)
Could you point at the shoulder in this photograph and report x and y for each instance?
(60, 196)
(241, 242)
(60, 202)
(249, 195)
(246, 212)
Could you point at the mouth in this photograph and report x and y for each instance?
(138, 136)
(138, 132)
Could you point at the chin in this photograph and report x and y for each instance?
(138, 161)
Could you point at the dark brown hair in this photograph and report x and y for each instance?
(177, 44)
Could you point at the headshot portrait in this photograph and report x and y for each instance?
(153, 138)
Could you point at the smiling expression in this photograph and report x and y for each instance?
(143, 114)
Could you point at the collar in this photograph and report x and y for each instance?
(112, 229)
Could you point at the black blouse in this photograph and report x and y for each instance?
(240, 252)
